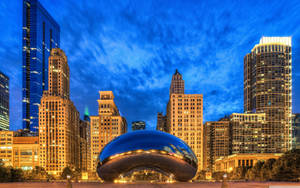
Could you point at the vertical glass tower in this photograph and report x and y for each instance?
(268, 89)
(4, 102)
(41, 33)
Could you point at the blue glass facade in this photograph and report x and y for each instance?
(41, 33)
(4, 102)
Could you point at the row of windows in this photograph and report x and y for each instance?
(187, 104)
(185, 97)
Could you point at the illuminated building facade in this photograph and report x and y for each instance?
(59, 74)
(216, 142)
(25, 152)
(185, 116)
(177, 84)
(84, 145)
(268, 89)
(138, 125)
(247, 134)
(87, 121)
(19, 152)
(4, 102)
(106, 126)
(229, 163)
(58, 120)
(161, 124)
(95, 142)
(237, 134)
(6, 151)
(40, 34)
(296, 131)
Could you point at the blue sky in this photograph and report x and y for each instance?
(134, 47)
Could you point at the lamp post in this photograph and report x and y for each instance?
(224, 182)
(69, 184)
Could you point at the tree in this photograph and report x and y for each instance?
(254, 172)
(287, 167)
(15, 174)
(4, 173)
(76, 174)
(201, 175)
(10, 174)
(38, 173)
(239, 173)
(67, 171)
(218, 175)
(266, 170)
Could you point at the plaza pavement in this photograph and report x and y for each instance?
(149, 185)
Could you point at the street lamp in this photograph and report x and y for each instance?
(224, 182)
(69, 185)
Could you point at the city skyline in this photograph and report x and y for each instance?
(138, 65)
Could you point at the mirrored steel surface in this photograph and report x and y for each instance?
(154, 149)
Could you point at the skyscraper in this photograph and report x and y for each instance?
(59, 74)
(296, 130)
(95, 142)
(138, 125)
(161, 124)
(216, 142)
(59, 129)
(268, 89)
(4, 102)
(177, 84)
(185, 116)
(106, 126)
(87, 121)
(84, 145)
(41, 33)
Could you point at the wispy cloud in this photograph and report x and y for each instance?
(133, 48)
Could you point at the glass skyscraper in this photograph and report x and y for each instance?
(4, 102)
(41, 33)
(268, 89)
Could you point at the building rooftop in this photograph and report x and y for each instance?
(280, 40)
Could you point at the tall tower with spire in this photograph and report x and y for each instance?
(59, 74)
(59, 128)
(177, 84)
(185, 116)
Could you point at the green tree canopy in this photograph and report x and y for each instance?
(287, 167)
(67, 171)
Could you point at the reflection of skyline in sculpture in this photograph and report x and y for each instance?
(156, 150)
(145, 140)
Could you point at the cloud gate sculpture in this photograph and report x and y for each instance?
(155, 150)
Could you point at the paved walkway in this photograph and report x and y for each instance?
(141, 185)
